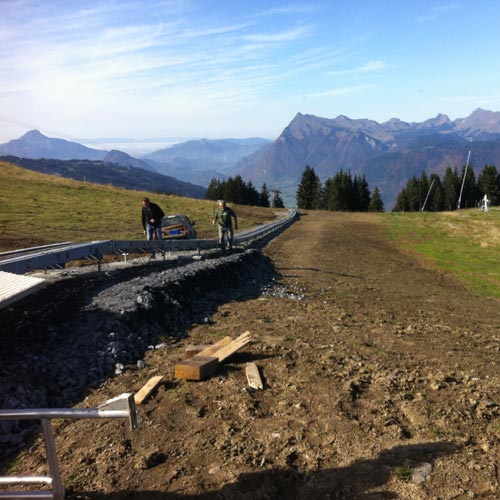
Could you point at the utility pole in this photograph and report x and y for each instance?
(428, 193)
(463, 182)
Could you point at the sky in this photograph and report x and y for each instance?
(219, 69)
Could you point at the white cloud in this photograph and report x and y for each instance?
(284, 36)
(437, 10)
(366, 68)
(338, 91)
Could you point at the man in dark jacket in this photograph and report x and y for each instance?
(152, 215)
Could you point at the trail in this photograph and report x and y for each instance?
(381, 381)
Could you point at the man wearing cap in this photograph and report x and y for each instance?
(224, 218)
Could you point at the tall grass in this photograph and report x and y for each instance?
(465, 243)
(38, 209)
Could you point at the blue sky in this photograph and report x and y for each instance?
(217, 68)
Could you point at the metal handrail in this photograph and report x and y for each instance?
(59, 256)
(122, 406)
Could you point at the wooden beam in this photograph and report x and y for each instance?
(193, 350)
(147, 389)
(253, 376)
(209, 351)
(232, 347)
(196, 368)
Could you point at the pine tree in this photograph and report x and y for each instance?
(309, 190)
(264, 197)
(402, 204)
(451, 189)
(214, 190)
(277, 201)
(489, 184)
(423, 189)
(328, 196)
(363, 194)
(469, 191)
(435, 202)
(376, 204)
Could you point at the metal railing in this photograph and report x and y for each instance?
(50, 258)
(122, 406)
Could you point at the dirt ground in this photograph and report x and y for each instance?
(381, 381)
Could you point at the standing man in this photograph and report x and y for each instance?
(223, 217)
(152, 215)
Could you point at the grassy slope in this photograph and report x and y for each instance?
(465, 243)
(38, 209)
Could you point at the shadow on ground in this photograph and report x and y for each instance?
(353, 482)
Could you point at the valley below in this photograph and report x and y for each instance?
(381, 381)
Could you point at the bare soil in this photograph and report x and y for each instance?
(381, 381)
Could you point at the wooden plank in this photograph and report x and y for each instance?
(214, 347)
(193, 350)
(196, 368)
(233, 346)
(147, 389)
(253, 376)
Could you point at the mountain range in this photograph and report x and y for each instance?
(388, 153)
(196, 162)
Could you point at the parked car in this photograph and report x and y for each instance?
(177, 227)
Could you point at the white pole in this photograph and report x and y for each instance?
(428, 193)
(463, 181)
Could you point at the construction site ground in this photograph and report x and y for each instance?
(381, 381)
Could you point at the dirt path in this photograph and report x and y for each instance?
(381, 381)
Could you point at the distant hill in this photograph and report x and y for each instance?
(201, 160)
(219, 154)
(102, 172)
(125, 160)
(388, 153)
(34, 144)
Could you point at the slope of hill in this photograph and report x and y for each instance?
(102, 172)
(46, 209)
(125, 160)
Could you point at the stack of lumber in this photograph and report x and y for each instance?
(206, 361)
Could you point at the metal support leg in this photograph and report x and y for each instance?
(50, 446)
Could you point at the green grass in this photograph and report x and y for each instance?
(403, 472)
(465, 243)
(39, 209)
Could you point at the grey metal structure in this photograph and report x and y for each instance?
(50, 257)
(122, 406)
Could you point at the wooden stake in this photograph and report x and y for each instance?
(253, 376)
(147, 389)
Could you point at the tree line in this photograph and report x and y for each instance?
(432, 194)
(342, 192)
(236, 190)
